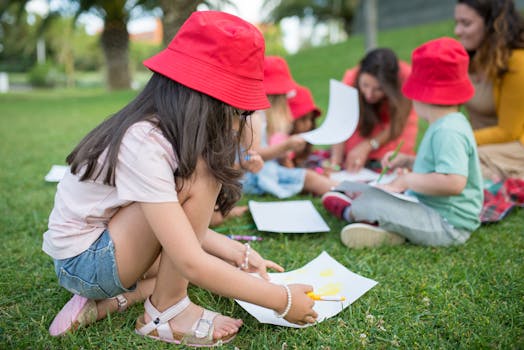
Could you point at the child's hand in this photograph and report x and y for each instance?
(400, 161)
(252, 162)
(260, 265)
(357, 157)
(295, 143)
(329, 167)
(398, 185)
(301, 311)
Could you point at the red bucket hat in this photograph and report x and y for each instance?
(439, 73)
(302, 103)
(217, 54)
(277, 76)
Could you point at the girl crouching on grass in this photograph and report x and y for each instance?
(142, 188)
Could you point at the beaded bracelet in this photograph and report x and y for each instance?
(289, 302)
(245, 264)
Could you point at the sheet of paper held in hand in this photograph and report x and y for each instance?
(341, 118)
(370, 177)
(287, 216)
(328, 277)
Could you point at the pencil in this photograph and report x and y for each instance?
(315, 296)
(391, 157)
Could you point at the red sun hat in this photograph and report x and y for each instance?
(439, 73)
(302, 103)
(277, 76)
(217, 54)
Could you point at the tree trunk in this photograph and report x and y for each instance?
(175, 14)
(115, 44)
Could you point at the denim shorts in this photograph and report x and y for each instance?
(275, 179)
(92, 274)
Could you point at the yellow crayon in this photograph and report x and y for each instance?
(315, 296)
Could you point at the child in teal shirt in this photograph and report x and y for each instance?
(445, 180)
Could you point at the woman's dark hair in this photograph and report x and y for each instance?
(382, 64)
(194, 123)
(504, 32)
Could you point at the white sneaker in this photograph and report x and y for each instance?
(360, 235)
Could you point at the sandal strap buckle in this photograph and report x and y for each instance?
(203, 328)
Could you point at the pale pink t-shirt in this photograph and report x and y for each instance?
(144, 173)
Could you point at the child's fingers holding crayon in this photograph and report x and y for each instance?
(386, 161)
(301, 311)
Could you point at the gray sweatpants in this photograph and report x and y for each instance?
(416, 222)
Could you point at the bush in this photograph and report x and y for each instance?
(44, 75)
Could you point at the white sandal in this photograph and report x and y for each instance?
(201, 333)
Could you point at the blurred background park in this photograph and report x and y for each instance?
(80, 43)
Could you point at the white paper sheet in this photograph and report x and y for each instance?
(370, 177)
(56, 173)
(287, 216)
(402, 196)
(328, 277)
(364, 175)
(341, 118)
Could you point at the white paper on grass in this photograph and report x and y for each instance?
(370, 177)
(287, 216)
(328, 277)
(56, 173)
(341, 118)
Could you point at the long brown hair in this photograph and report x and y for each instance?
(382, 63)
(194, 123)
(504, 32)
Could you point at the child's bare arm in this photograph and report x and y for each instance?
(235, 253)
(293, 143)
(180, 245)
(337, 154)
(435, 184)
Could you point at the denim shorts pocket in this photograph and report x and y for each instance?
(77, 285)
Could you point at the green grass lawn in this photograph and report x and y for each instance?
(469, 296)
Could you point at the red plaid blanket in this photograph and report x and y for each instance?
(498, 204)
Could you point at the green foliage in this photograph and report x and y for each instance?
(139, 52)
(273, 39)
(17, 41)
(44, 75)
(465, 297)
(320, 11)
(88, 55)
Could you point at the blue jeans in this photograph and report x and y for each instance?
(92, 274)
(416, 222)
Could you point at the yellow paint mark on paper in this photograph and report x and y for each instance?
(329, 289)
(326, 273)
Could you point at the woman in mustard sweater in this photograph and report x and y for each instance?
(492, 31)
